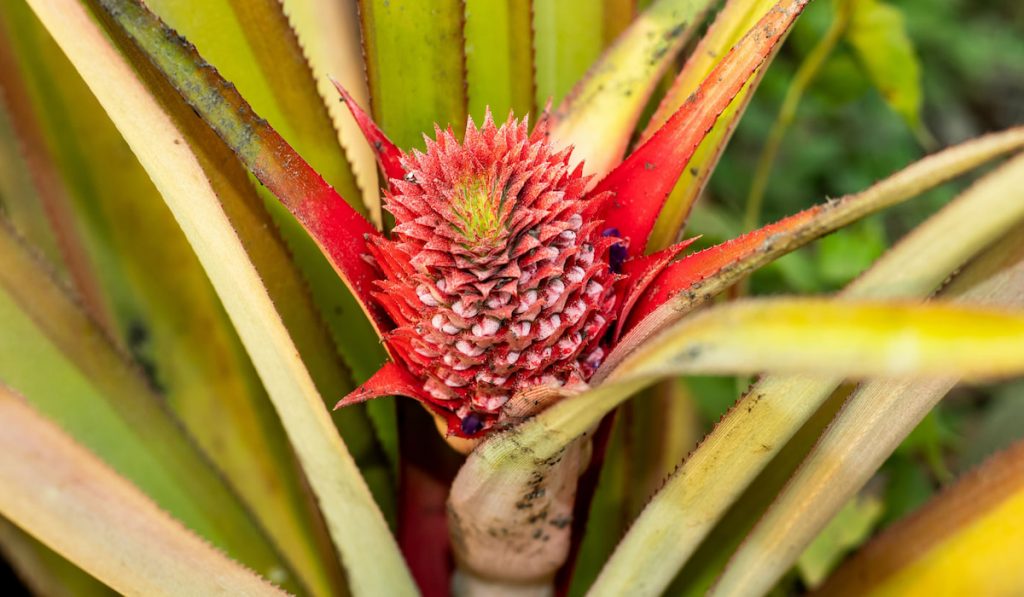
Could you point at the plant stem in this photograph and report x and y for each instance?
(466, 584)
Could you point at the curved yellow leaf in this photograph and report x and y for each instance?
(846, 338)
(967, 541)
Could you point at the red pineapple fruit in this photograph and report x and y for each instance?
(496, 275)
(506, 270)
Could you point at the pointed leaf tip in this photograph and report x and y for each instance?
(395, 380)
(643, 181)
(690, 271)
(389, 157)
(390, 379)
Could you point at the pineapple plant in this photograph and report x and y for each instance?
(166, 397)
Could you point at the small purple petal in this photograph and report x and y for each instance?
(472, 423)
(617, 253)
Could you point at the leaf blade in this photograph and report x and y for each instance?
(964, 540)
(354, 521)
(43, 570)
(693, 280)
(874, 420)
(599, 115)
(142, 549)
(337, 229)
(92, 391)
(329, 34)
(254, 45)
(879, 37)
(409, 96)
(642, 182)
(779, 405)
(567, 38)
(172, 324)
(499, 57)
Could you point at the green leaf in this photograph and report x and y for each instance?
(703, 567)
(1001, 425)
(101, 521)
(599, 117)
(873, 422)
(167, 315)
(253, 45)
(499, 57)
(415, 64)
(877, 32)
(843, 256)
(567, 38)
(805, 74)
(18, 200)
(66, 368)
(48, 189)
(607, 519)
(652, 435)
(328, 32)
(355, 523)
(239, 34)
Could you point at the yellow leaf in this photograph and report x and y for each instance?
(968, 541)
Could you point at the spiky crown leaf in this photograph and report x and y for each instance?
(493, 276)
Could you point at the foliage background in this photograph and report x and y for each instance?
(844, 138)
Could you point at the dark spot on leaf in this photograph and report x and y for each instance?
(138, 343)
